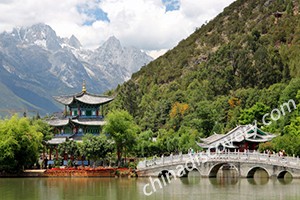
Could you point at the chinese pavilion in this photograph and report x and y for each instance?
(83, 113)
(241, 138)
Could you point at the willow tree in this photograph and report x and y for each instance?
(123, 130)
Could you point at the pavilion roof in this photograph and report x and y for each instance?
(91, 122)
(58, 122)
(83, 97)
(238, 134)
(57, 140)
(63, 122)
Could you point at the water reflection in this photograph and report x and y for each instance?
(258, 181)
(225, 177)
(225, 186)
(286, 179)
(192, 179)
(260, 177)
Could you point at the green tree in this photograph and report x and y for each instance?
(129, 97)
(289, 7)
(167, 141)
(96, 147)
(70, 148)
(145, 145)
(290, 92)
(44, 128)
(290, 141)
(256, 112)
(188, 139)
(19, 144)
(203, 117)
(122, 128)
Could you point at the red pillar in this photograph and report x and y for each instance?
(246, 145)
(79, 112)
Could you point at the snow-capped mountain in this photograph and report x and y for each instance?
(36, 64)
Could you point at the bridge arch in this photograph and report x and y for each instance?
(214, 169)
(192, 177)
(251, 172)
(187, 172)
(166, 173)
(282, 174)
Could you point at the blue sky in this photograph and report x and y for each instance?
(95, 13)
(171, 5)
(151, 25)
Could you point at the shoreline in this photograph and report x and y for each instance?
(73, 172)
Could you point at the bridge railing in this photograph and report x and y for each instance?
(222, 156)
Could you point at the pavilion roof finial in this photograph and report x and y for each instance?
(84, 87)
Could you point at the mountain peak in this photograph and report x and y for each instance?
(74, 42)
(38, 31)
(113, 39)
(39, 34)
(112, 42)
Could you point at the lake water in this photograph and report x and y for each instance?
(192, 187)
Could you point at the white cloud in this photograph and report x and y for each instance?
(140, 23)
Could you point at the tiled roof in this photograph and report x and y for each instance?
(83, 97)
(56, 140)
(64, 122)
(58, 122)
(238, 134)
(91, 122)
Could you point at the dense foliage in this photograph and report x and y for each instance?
(19, 144)
(231, 71)
(68, 148)
(122, 129)
(96, 147)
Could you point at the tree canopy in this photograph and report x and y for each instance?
(122, 129)
(96, 147)
(19, 143)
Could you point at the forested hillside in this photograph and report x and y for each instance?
(233, 70)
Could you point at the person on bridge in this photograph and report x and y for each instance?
(283, 153)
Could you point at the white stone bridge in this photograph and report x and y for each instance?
(208, 164)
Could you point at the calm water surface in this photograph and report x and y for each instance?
(192, 187)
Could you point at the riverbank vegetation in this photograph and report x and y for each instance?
(20, 142)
